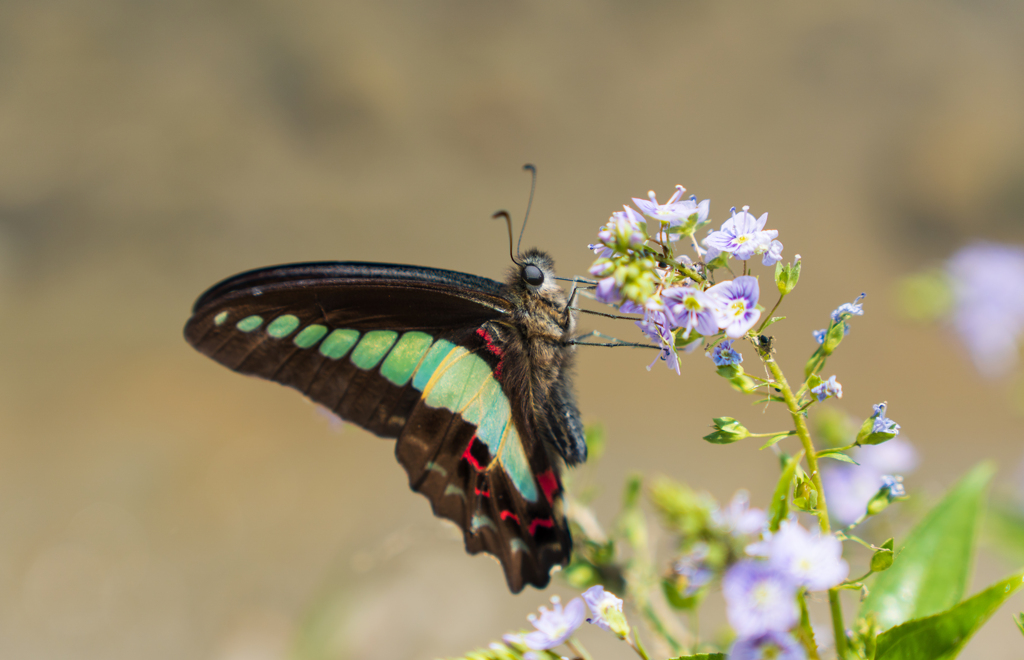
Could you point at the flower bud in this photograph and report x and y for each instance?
(883, 557)
(786, 277)
(727, 431)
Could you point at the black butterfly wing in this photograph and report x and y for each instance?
(414, 354)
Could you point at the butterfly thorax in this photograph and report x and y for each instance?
(539, 328)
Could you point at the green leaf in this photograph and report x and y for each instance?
(930, 574)
(595, 438)
(941, 637)
(772, 321)
(837, 455)
(775, 438)
(1019, 620)
(779, 508)
(701, 656)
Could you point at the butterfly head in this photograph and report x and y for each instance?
(539, 295)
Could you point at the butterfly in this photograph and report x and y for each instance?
(472, 377)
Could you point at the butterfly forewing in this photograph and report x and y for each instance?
(413, 354)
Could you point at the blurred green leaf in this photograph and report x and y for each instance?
(1004, 527)
(1019, 620)
(701, 656)
(837, 455)
(683, 510)
(926, 296)
(942, 636)
(596, 441)
(930, 574)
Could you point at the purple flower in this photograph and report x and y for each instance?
(828, 388)
(608, 291)
(737, 304)
(688, 308)
(769, 646)
(675, 211)
(846, 310)
(849, 488)
(883, 424)
(738, 519)
(656, 326)
(725, 355)
(742, 236)
(553, 626)
(810, 560)
(759, 598)
(819, 335)
(607, 609)
(772, 254)
(694, 567)
(988, 308)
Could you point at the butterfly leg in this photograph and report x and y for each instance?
(611, 341)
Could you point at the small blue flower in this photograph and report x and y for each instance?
(810, 560)
(694, 567)
(656, 326)
(690, 309)
(739, 519)
(772, 254)
(846, 310)
(769, 646)
(556, 625)
(828, 388)
(742, 236)
(759, 598)
(883, 424)
(608, 291)
(737, 304)
(894, 484)
(607, 609)
(725, 355)
(819, 335)
(849, 488)
(671, 210)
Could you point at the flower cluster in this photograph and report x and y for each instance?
(642, 274)
(556, 626)
(761, 593)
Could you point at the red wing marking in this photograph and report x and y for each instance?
(495, 350)
(537, 522)
(508, 514)
(482, 492)
(548, 483)
(468, 455)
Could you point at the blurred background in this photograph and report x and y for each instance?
(154, 504)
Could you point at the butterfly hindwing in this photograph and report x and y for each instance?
(413, 354)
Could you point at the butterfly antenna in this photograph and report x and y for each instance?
(533, 187)
(508, 223)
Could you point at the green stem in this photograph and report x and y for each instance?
(577, 648)
(659, 627)
(812, 466)
(634, 642)
(770, 314)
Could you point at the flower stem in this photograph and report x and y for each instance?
(769, 316)
(812, 467)
(577, 648)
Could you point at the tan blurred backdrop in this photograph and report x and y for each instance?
(153, 504)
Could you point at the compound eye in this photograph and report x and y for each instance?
(534, 276)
